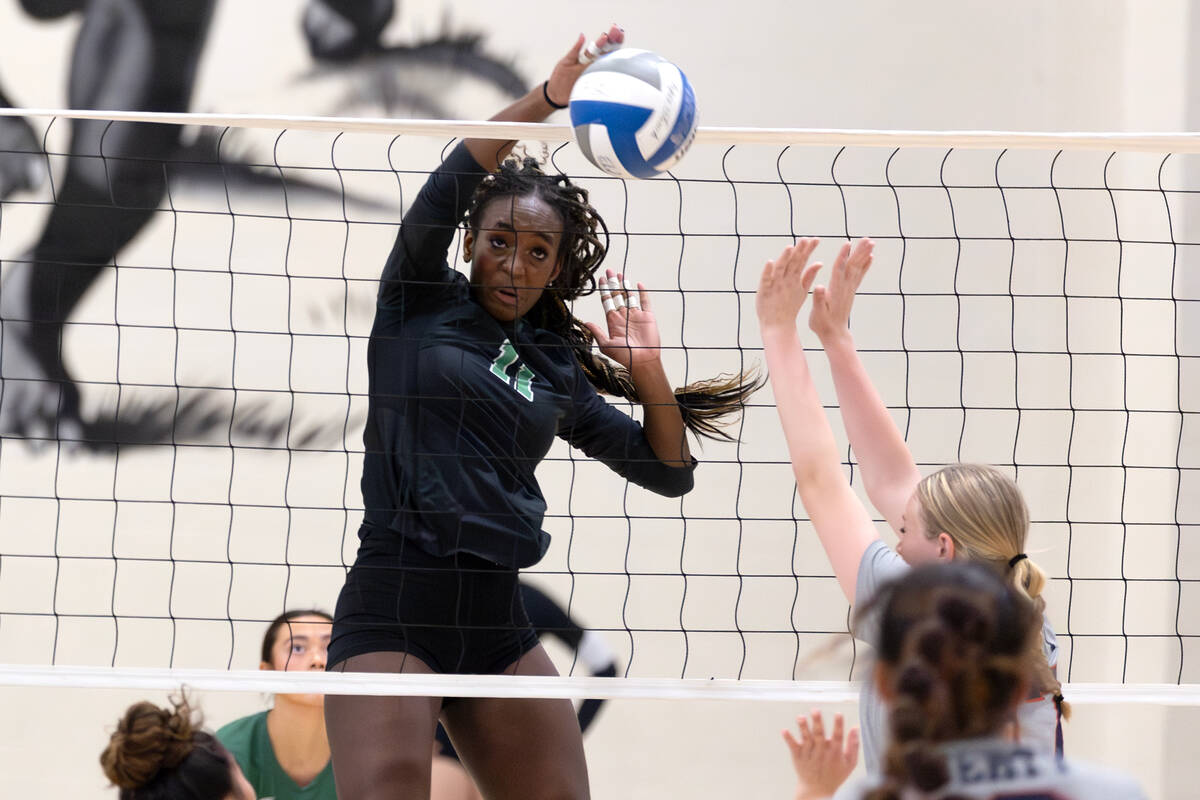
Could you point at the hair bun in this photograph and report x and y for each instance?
(147, 739)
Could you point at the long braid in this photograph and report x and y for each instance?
(706, 406)
(954, 644)
(985, 514)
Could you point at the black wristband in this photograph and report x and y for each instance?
(546, 95)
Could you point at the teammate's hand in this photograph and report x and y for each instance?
(571, 66)
(821, 763)
(632, 335)
(784, 286)
(830, 315)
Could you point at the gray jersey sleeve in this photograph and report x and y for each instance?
(880, 565)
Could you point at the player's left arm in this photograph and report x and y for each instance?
(632, 340)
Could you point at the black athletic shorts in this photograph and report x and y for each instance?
(458, 613)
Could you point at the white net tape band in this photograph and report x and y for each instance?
(515, 686)
(1106, 142)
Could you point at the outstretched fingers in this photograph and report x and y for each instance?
(606, 42)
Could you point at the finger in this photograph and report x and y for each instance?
(573, 55)
(805, 247)
(843, 255)
(800, 254)
(806, 738)
(818, 725)
(616, 36)
(633, 295)
(766, 281)
(601, 45)
(598, 334)
(643, 296)
(606, 300)
(851, 749)
(792, 744)
(837, 728)
(809, 275)
(618, 296)
(862, 255)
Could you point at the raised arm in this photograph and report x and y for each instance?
(841, 521)
(533, 107)
(889, 474)
(433, 217)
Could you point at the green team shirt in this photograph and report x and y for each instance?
(250, 744)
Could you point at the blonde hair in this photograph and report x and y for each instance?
(982, 511)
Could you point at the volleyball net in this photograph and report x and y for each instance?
(1033, 305)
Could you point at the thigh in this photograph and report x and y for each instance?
(520, 748)
(451, 781)
(381, 746)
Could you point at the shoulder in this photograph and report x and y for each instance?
(879, 565)
(427, 296)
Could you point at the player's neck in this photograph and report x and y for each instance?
(297, 732)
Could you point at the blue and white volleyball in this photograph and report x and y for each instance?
(634, 113)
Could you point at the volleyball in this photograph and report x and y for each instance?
(634, 113)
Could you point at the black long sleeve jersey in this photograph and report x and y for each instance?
(462, 407)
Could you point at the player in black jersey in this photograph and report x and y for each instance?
(470, 380)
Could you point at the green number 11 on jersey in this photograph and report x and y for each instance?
(523, 382)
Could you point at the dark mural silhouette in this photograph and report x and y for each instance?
(141, 55)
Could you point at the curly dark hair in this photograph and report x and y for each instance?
(161, 754)
(955, 641)
(706, 406)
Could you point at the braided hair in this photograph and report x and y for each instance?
(955, 649)
(706, 406)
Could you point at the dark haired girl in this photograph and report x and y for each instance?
(470, 381)
(955, 662)
(284, 752)
(161, 754)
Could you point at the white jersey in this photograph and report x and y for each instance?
(994, 769)
(1037, 719)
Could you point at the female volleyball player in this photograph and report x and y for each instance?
(161, 754)
(470, 381)
(963, 511)
(955, 644)
(284, 752)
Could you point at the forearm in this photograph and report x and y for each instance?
(889, 474)
(838, 516)
(489, 153)
(663, 423)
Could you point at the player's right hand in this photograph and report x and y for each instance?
(578, 58)
(830, 315)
